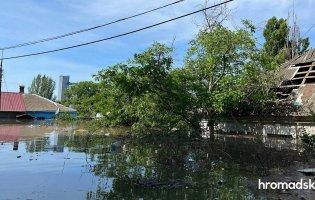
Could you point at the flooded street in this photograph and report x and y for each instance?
(45, 161)
(41, 166)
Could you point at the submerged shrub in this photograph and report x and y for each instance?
(64, 117)
(308, 141)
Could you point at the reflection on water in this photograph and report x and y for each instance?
(51, 162)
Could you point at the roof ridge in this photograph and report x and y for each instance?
(55, 104)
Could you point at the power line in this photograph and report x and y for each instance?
(117, 36)
(308, 30)
(87, 29)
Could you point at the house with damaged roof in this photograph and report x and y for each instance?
(298, 82)
(21, 105)
(296, 87)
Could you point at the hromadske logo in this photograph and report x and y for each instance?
(300, 185)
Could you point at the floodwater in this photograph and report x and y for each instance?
(47, 161)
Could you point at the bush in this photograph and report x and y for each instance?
(308, 141)
(65, 117)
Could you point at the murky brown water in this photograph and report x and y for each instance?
(46, 161)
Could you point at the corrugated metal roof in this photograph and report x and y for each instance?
(12, 101)
(17, 102)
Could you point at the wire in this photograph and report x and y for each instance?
(87, 29)
(117, 36)
(308, 30)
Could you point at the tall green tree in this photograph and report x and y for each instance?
(225, 66)
(43, 85)
(282, 41)
(276, 33)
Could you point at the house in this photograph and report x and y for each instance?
(21, 105)
(298, 82)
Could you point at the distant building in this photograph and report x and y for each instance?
(63, 85)
(19, 104)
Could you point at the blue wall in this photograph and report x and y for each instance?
(46, 114)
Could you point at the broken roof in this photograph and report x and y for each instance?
(305, 58)
(298, 81)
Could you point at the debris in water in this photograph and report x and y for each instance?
(308, 172)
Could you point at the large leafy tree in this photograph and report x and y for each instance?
(218, 75)
(43, 85)
(282, 41)
(223, 75)
(225, 68)
(276, 33)
(148, 91)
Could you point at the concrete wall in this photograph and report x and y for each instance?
(281, 129)
(293, 130)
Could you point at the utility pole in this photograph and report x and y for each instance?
(1, 74)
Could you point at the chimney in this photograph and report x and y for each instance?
(22, 89)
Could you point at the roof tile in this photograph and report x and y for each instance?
(12, 101)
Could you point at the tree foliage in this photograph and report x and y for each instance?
(84, 96)
(147, 92)
(276, 33)
(223, 74)
(218, 61)
(42, 85)
(282, 43)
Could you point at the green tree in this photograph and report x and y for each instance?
(219, 70)
(144, 90)
(282, 41)
(224, 66)
(83, 96)
(43, 85)
(276, 33)
(224, 74)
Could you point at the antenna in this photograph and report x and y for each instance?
(293, 41)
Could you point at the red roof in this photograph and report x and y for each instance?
(12, 101)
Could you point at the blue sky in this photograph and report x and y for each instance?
(28, 20)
